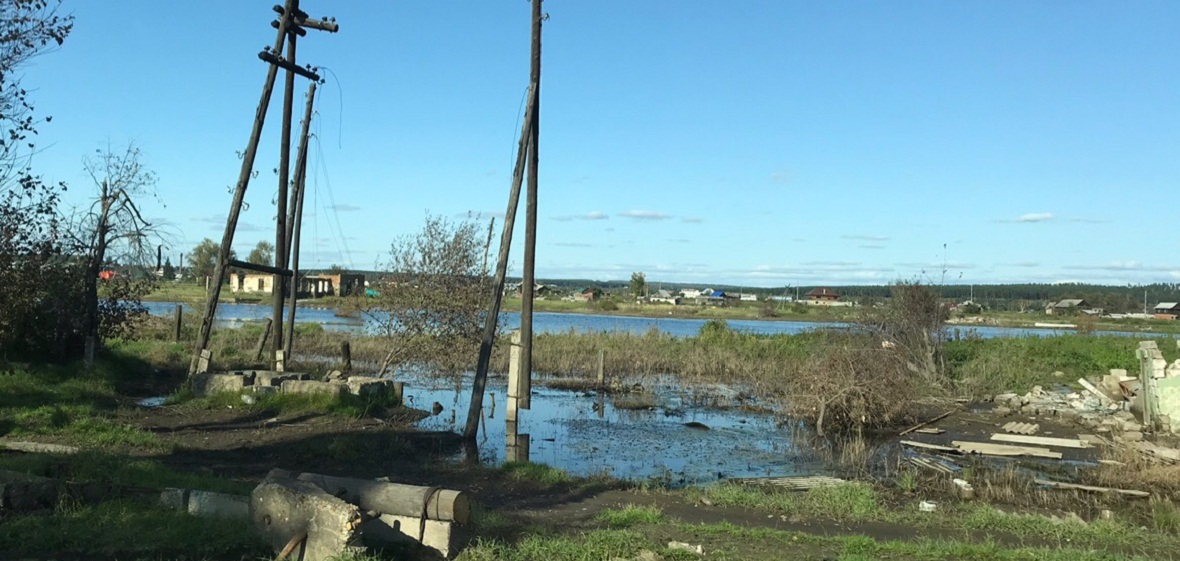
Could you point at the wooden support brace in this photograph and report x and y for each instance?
(271, 58)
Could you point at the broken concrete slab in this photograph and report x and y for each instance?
(366, 386)
(312, 386)
(276, 378)
(444, 537)
(209, 383)
(284, 509)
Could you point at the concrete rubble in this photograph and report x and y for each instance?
(1122, 406)
(271, 381)
(326, 517)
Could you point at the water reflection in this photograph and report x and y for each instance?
(584, 434)
(232, 315)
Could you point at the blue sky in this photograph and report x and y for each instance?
(761, 143)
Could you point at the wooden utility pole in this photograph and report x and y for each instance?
(291, 21)
(529, 136)
(281, 248)
(489, 330)
(295, 219)
(529, 280)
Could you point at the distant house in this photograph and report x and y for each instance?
(515, 289)
(586, 295)
(664, 297)
(748, 297)
(1067, 307)
(247, 283)
(1167, 310)
(690, 293)
(823, 295)
(309, 286)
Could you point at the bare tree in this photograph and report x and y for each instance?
(431, 303)
(117, 233)
(912, 324)
(27, 28)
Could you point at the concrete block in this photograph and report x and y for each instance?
(264, 390)
(275, 378)
(208, 383)
(1132, 436)
(312, 386)
(285, 509)
(444, 537)
(206, 503)
(364, 385)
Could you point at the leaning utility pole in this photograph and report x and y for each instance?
(526, 152)
(295, 218)
(291, 22)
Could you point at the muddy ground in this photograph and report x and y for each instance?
(245, 445)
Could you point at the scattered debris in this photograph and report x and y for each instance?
(794, 483)
(1022, 428)
(922, 424)
(1091, 488)
(681, 546)
(927, 506)
(1105, 399)
(926, 446)
(966, 491)
(989, 449)
(936, 464)
(1041, 440)
(930, 430)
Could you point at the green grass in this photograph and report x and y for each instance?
(540, 473)
(850, 501)
(119, 470)
(344, 405)
(630, 515)
(66, 402)
(127, 529)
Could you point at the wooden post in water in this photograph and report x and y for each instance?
(346, 355)
(179, 322)
(601, 369)
(262, 340)
(513, 383)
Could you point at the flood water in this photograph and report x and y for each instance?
(229, 315)
(567, 432)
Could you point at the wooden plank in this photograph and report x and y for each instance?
(1041, 440)
(989, 449)
(922, 424)
(1102, 397)
(930, 430)
(1092, 488)
(926, 446)
(794, 483)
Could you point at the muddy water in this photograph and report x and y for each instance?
(567, 432)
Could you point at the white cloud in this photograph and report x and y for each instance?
(862, 238)
(1035, 217)
(592, 215)
(692, 219)
(644, 215)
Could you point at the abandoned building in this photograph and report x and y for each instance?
(310, 286)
